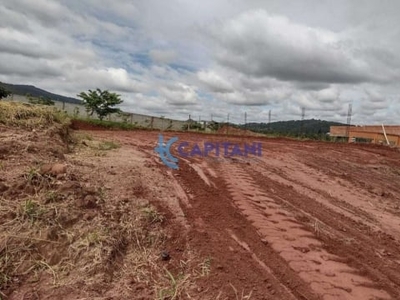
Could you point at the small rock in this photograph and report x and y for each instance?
(165, 255)
(53, 169)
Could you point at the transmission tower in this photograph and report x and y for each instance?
(349, 112)
(227, 127)
(303, 113)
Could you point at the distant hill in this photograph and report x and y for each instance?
(293, 128)
(19, 89)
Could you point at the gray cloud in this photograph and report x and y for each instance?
(261, 44)
(214, 57)
(162, 56)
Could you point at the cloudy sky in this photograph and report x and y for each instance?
(212, 58)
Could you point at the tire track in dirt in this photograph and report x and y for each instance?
(355, 232)
(247, 260)
(347, 238)
(342, 198)
(308, 181)
(304, 253)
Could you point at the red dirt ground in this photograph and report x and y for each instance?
(306, 220)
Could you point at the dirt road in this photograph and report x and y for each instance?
(306, 220)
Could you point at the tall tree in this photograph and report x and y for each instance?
(100, 102)
(4, 93)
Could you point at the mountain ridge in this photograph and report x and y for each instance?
(293, 127)
(23, 90)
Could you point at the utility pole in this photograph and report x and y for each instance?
(245, 122)
(349, 112)
(269, 120)
(303, 113)
(227, 126)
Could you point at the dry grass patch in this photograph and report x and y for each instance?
(30, 116)
(119, 245)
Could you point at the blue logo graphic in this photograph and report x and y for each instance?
(208, 149)
(164, 152)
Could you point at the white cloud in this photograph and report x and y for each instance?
(180, 94)
(215, 82)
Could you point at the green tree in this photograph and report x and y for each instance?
(100, 102)
(214, 126)
(4, 93)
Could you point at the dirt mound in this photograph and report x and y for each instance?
(236, 131)
(82, 125)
